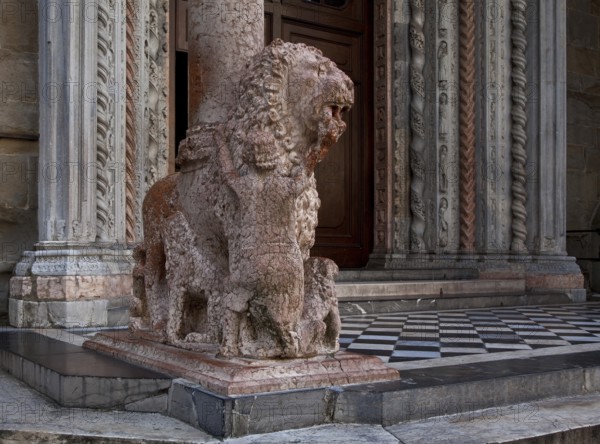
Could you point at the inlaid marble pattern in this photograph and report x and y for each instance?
(398, 337)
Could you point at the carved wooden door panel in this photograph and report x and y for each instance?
(341, 29)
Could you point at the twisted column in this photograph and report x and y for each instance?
(519, 126)
(417, 123)
(467, 125)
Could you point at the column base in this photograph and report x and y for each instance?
(67, 285)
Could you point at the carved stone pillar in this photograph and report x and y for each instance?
(493, 169)
(81, 265)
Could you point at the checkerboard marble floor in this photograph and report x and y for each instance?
(400, 337)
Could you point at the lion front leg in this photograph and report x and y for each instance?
(234, 306)
(320, 324)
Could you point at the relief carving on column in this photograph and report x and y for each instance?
(105, 114)
(519, 126)
(417, 121)
(443, 170)
(443, 223)
(382, 41)
(156, 94)
(448, 127)
(146, 139)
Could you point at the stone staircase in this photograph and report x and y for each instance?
(389, 291)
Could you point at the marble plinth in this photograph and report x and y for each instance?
(243, 376)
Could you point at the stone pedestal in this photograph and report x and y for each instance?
(244, 376)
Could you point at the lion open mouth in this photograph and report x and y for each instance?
(332, 127)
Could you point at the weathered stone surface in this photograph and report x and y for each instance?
(23, 313)
(225, 259)
(223, 35)
(45, 301)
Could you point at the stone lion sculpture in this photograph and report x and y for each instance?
(225, 260)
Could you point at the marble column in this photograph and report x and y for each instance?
(546, 152)
(223, 36)
(81, 265)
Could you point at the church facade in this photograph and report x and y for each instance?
(456, 157)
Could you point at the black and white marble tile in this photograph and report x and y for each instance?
(397, 337)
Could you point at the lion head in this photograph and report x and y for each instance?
(289, 109)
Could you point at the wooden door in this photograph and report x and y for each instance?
(342, 30)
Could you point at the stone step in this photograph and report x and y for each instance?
(434, 388)
(29, 417)
(360, 291)
(560, 420)
(75, 377)
(357, 298)
(424, 274)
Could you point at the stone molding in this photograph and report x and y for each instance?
(384, 179)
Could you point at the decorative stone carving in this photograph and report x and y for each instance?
(147, 112)
(443, 224)
(442, 66)
(443, 169)
(225, 259)
(157, 90)
(417, 120)
(467, 125)
(132, 207)
(443, 122)
(105, 108)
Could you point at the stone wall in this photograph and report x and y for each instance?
(583, 197)
(18, 134)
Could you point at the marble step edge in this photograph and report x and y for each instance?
(572, 419)
(354, 291)
(430, 393)
(565, 420)
(419, 394)
(423, 274)
(102, 392)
